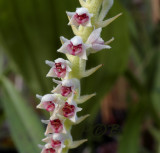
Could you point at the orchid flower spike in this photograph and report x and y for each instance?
(96, 41)
(80, 17)
(67, 88)
(59, 68)
(63, 103)
(74, 47)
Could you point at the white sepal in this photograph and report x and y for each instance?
(96, 41)
(75, 41)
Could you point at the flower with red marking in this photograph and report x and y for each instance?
(80, 17)
(59, 68)
(56, 140)
(74, 47)
(48, 102)
(50, 150)
(97, 43)
(54, 125)
(66, 88)
(47, 148)
(68, 110)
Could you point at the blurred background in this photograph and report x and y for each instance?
(125, 114)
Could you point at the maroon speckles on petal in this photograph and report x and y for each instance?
(59, 71)
(56, 125)
(50, 150)
(74, 50)
(68, 110)
(81, 19)
(65, 91)
(49, 106)
(55, 143)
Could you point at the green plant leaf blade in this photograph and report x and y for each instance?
(25, 126)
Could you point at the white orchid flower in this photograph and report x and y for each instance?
(74, 47)
(67, 88)
(56, 141)
(47, 149)
(49, 102)
(59, 68)
(68, 110)
(54, 125)
(80, 17)
(96, 41)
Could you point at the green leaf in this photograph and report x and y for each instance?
(25, 126)
(130, 139)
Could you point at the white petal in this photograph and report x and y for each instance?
(94, 36)
(56, 81)
(63, 48)
(70, 14)
(48, 97)
(68, 83)
(63, 39)
(81, 11)
(40, 106)
(45, 121)
(51, 64)
(73, 22)
(49, 129)
(98, 47)
(83, 55)
(57, 89)
(88, 24)
(47, 139)
(76, 40)
(39, 96)
(51, 73)
(73, 119)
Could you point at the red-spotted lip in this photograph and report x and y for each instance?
(81, 19)
(65, 91)
(74, 50)
(59, 71)
(56, 125)
(50, 150)
(49, 106)
(55, 143)
(68, 110)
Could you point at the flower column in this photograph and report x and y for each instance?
(86, 23)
